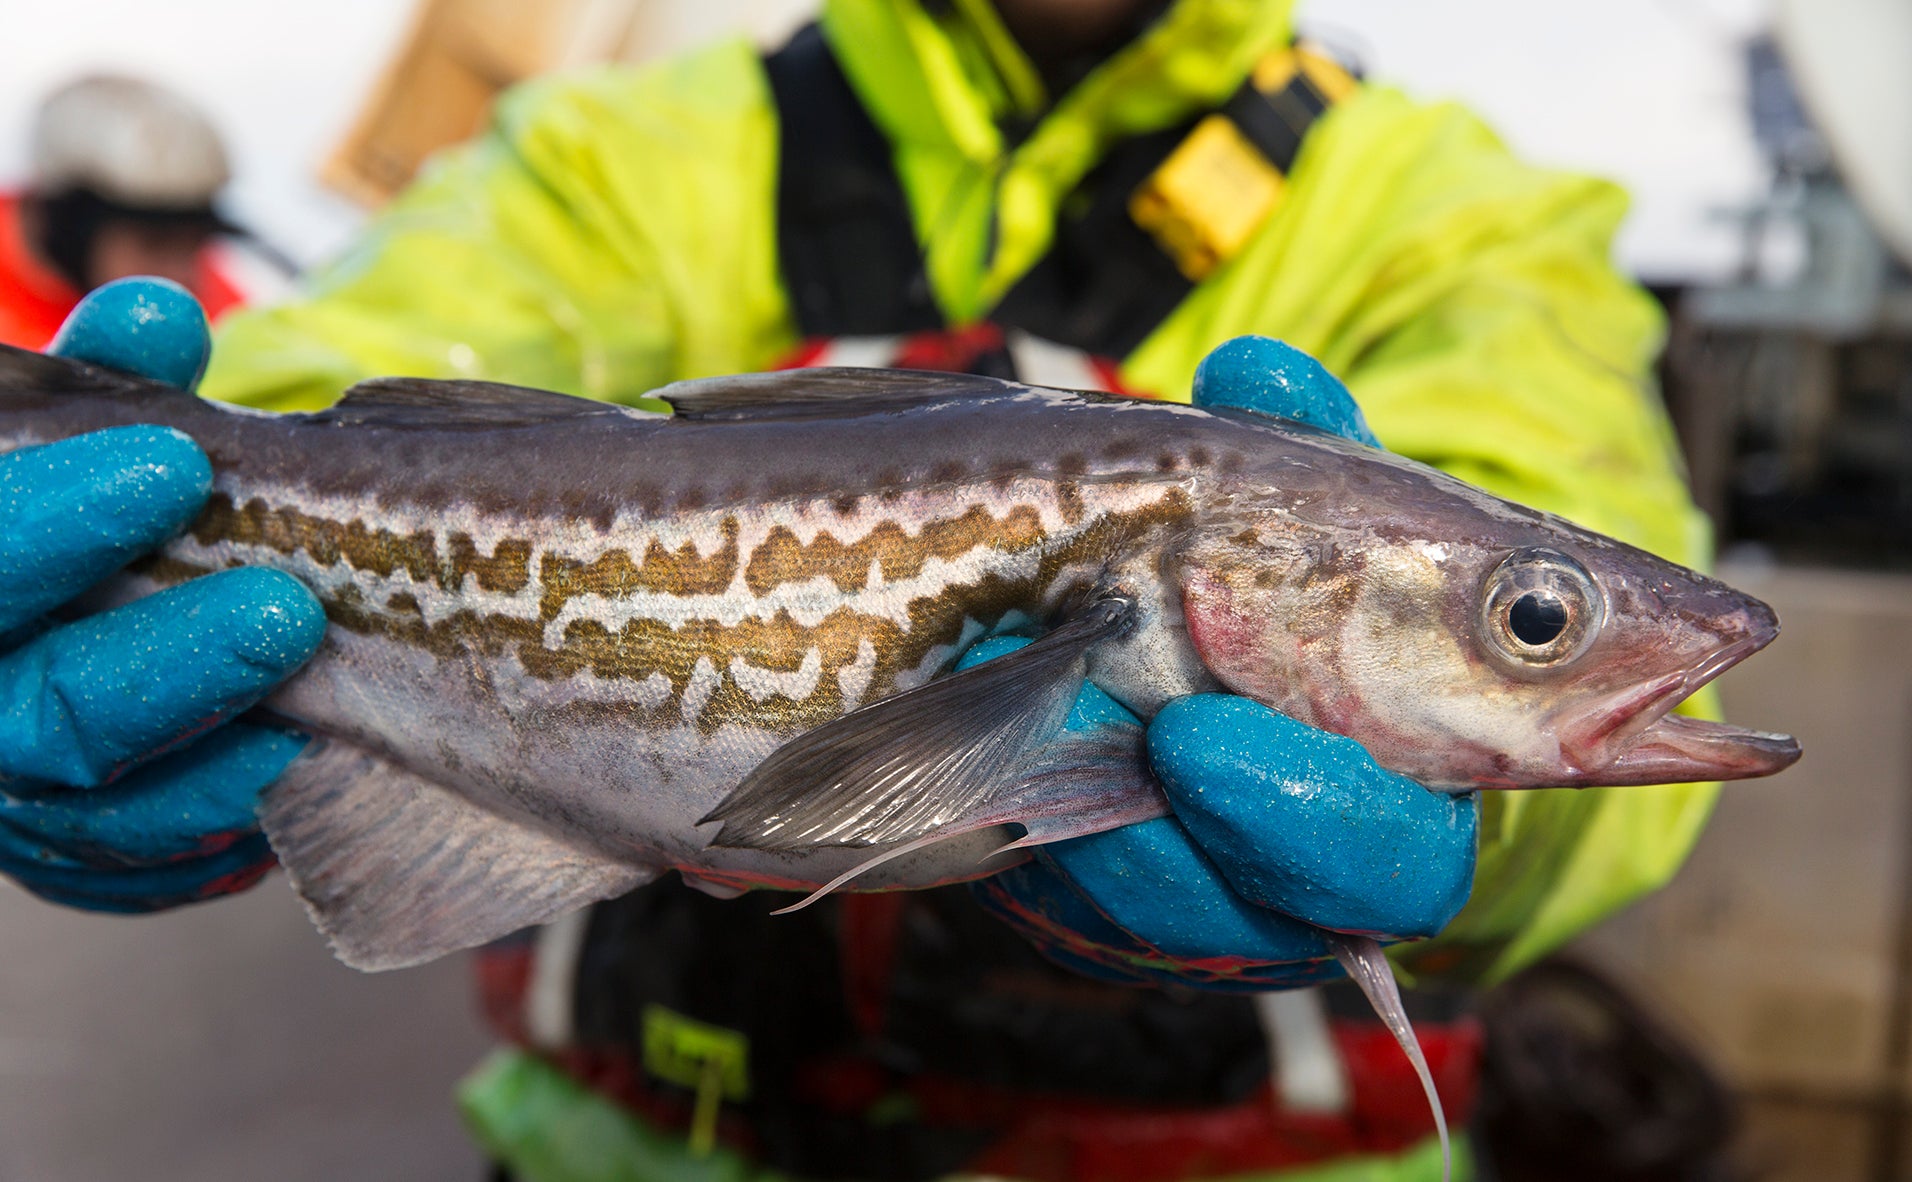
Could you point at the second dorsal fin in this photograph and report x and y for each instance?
(455, 405)
(811, 393)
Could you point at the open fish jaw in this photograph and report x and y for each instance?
(1633, 738)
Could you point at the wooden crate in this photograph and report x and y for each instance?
(459, 54)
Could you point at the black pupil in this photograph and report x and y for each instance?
(1537, 618)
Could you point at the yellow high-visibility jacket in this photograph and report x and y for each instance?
(616, 230)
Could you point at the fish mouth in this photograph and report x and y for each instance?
(1632, 738)
(1677, 750)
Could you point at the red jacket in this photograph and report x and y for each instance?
(34, 299)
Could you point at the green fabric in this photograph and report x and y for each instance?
(616, 230)
(547, 1127)
(1419, 1164)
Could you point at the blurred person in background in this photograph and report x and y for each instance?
(124, 179)
(1080, 192)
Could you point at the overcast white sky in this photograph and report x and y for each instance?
(1645, 91)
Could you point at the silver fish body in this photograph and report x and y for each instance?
(573, 646)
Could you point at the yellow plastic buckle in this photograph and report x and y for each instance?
(1330, 77)
(712, 1060)
(1203, 203)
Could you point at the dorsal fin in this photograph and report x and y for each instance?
(47, 373)
(810, 393)
(454, 405)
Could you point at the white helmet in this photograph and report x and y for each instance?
(129, 141)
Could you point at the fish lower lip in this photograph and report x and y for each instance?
(1679, 750)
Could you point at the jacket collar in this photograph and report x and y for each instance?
(943, 79)
(946, 72)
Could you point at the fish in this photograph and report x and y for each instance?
(572, 646)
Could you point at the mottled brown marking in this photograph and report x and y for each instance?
(361, 547)
(1069, 499)
(464, 631)
(642, 647)
(682, 571)
(506, 570)
(781, 558)
(166, 570)
(575, 504)
(793, 485)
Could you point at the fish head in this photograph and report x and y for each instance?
(1470, 643)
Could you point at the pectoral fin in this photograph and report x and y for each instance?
(397, 870)
(1077, 785)
(922, 761)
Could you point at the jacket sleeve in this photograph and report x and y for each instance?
(611, 231)
(1470, 303)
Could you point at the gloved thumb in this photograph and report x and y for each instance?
(150, 327)
(1305, 822)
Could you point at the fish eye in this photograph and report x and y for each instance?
(1540, 609)
(1537, 617)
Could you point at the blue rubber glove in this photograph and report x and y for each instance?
(120, 789)
(1278, 830)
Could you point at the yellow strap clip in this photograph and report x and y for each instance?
(1203, 203)
(713, 1061)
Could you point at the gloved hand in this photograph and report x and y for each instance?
(1278, 830)
(120, 789)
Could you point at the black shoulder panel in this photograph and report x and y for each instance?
(845, 238)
